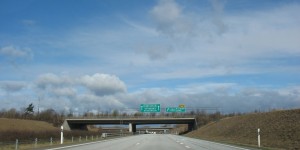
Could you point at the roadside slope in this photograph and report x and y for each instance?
(279, 129)
(12, 129)
(25, 125)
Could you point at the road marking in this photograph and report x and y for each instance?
(137, 144)
(181, 143)
(187, 147)
(83, 144)
(227, 145)
(224, 145)
(74, 145)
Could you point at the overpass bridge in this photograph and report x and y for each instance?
(81, 124)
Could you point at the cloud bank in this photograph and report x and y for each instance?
(104, 92)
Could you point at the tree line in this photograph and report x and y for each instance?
(57, 118)
(48, 115)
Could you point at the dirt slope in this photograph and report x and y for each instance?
(279, 129)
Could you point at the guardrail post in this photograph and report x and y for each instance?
(258, 137)
(72, 139)
(79, 138)
(51, 141)
(86, 137)
(62, 135)
(92, 138)
(17, 142)
(35, 142)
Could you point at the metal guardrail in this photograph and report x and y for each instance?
(48, 143)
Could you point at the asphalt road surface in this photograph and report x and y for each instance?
(152, 142)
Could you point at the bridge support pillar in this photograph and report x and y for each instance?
(132, 127)
(191, 127)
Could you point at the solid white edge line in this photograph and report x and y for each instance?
(74, 145)
(83, 144)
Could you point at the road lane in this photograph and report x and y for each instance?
(202, 144)
(153, 141)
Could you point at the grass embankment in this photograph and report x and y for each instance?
(279, 129)
(12, 129)
(20, 125)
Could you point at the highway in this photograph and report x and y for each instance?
(151, 142)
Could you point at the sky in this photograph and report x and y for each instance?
(101, 55)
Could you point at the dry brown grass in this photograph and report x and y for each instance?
(24, 125)
(12, 129)
(279, 129)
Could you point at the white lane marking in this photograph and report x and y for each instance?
(181, 143)
(177, 141)
(137, 144)
(74, 145)
(187, 147)
(83, 144)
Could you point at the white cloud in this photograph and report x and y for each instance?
(98, 84)
(103, 84)
(64, 92)
(170, 20)
(12, 86)
(166, 12)
(52, 80)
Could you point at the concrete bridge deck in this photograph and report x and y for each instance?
(73, 124)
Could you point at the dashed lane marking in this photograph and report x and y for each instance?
(187, 147)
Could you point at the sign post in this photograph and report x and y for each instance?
(150, 107)
(62, 135)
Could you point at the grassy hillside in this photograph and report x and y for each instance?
(25, 125)
(279, 129)
(12, 129)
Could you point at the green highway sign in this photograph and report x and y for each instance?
(175, 109)
(150, 108)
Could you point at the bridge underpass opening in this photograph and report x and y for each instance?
(81, 124)
(140, 129)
